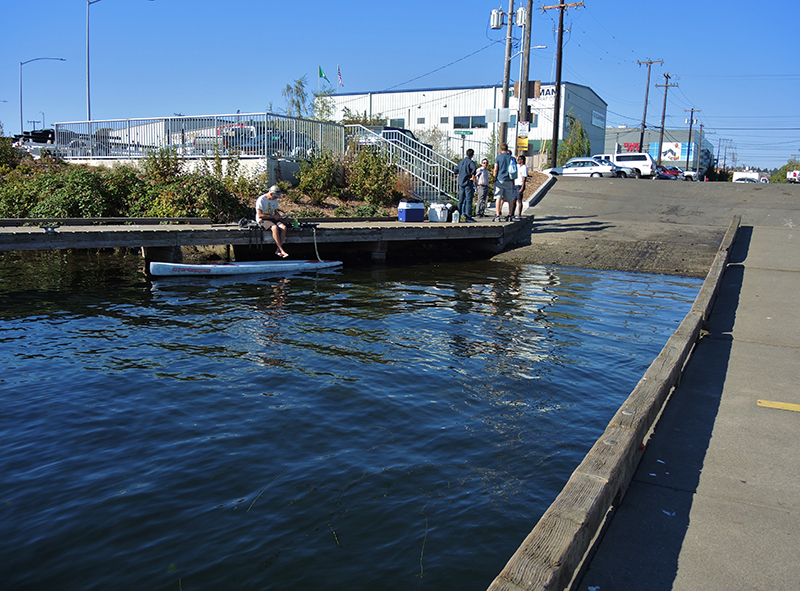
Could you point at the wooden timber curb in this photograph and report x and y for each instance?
(555, 550)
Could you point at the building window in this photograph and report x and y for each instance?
(478, 122)
(397, 123)
(420, 120)
(535, 122)
(469, 122)
(444, 120)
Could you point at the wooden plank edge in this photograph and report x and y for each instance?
(708, 292)
(606, 471)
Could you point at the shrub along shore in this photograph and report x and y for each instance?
(363, 185)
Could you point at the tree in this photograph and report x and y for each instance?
(324, 105)
(779, 176)
(577, 143)
(296, 98)
(491, 148)
(349, 117)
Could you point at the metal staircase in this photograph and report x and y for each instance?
(433, 174)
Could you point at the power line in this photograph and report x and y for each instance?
(443, 67)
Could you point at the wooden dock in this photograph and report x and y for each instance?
(162, 240)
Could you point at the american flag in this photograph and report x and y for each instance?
(339, 72)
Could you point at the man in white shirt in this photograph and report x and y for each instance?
(269, 218)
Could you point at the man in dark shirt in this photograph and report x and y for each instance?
(466, 187)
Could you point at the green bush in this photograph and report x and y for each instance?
(80, 192)
(371, 177)
(163, 165)
(190, 195)
(9, 157)
(319, 177)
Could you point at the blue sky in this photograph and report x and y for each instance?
(733, 60)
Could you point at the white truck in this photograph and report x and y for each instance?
(793, 176)
(641, 163)
(746, 176)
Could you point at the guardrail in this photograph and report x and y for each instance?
(256, 135)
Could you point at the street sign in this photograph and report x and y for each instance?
(462, 132)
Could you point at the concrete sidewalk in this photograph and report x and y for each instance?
(715, 501)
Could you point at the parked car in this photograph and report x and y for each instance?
(642, 163)
(662, 173)
(583, 167)
(622, 172)
(286, 144)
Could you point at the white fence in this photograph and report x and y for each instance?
(256, 135)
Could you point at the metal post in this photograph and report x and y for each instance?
(88, 90)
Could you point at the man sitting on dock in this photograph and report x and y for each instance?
(269, 218)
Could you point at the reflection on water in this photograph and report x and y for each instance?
(400, 426)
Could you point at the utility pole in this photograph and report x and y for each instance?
(699, 154)
(507, 70)
(666, 87)
(526, 56)
(649, 63)
(561, 6)
(689, 149)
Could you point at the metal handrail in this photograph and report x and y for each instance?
(433, 173)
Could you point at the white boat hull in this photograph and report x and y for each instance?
(238, 268)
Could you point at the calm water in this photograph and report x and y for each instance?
(384, 429)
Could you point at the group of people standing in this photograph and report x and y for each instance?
(509, 185)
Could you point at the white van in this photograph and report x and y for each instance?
(642, 164)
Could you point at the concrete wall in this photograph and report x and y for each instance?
(277, 169)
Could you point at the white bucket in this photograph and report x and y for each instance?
(437, 212)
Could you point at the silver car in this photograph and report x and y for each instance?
(583, 167)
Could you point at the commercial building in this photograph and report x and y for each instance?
(454, 119)
(674, 150)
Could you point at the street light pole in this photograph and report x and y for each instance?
(88, 89)
(36, 59)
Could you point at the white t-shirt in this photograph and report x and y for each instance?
(268, 206)
(522, 172)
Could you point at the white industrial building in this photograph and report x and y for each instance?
(464, 115)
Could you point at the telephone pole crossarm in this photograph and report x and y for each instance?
(563, 6)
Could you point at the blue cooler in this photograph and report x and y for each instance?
(411, 212)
